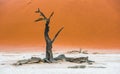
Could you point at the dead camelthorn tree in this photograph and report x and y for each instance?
(49, 41)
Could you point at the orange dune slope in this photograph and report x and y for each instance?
(87, 23)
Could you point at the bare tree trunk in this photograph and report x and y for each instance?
(49, 42)
(49, 54)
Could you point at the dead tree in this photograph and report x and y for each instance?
(49, 41)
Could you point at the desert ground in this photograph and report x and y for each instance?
(104, 64)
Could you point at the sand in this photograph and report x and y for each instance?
(104, 64)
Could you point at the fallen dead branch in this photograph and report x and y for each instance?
(59, 58)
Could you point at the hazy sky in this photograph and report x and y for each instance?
(87, 23)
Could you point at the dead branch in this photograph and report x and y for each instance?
(57, 34)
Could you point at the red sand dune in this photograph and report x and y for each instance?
(87, 23)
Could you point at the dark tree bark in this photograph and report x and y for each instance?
(49, 42)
